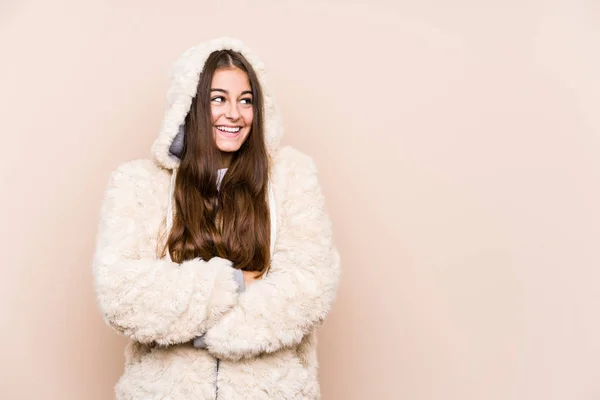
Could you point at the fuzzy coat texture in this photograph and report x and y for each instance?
(264, 337)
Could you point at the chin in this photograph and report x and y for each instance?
(228, 148)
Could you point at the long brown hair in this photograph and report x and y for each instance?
(231, 222)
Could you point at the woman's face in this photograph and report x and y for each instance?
(232, 110)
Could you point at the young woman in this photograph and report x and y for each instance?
(216, 258)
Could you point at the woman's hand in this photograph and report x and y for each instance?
(250, 277)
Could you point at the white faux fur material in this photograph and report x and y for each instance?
(184, 82)
(263, 337)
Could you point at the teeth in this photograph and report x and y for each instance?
(230, 130)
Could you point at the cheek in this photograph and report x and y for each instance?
(248, 117)
(214, 114)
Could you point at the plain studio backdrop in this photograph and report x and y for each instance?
(457, 143)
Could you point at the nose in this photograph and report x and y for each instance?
(232, 111)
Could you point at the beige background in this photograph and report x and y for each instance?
(458, 146)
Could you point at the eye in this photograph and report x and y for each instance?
(246, 100)
(218, 99)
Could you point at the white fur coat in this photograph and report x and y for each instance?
(263, 337)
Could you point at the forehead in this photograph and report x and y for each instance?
(231, 79)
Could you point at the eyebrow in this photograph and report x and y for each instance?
(226, 92)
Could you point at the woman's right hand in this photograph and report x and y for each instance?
(250, 277)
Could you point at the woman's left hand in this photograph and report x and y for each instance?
(250, 277)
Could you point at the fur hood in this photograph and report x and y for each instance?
(184, 78)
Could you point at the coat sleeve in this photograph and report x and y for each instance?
(297, 293)
(141, 296)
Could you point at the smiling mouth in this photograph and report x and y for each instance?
(229, 129)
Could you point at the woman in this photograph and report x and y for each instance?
(216, 259)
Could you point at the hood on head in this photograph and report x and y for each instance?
(184, 78)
